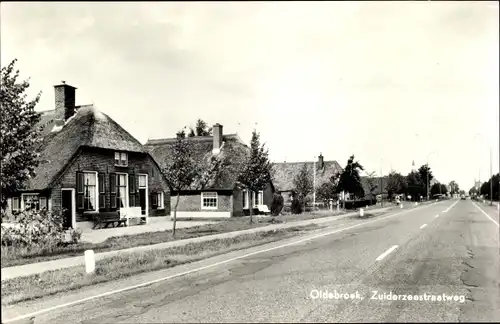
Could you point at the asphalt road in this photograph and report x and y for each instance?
(415, 253)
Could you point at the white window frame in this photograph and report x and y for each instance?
(127, 193)
(27, 194)
(216, 200)
(119, 161)
(19, 199)
(160, 200)
(259, 198)
(96, 207)
(245, 194)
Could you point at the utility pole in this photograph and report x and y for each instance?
(491, 180)
(381, 187)
(314, 185)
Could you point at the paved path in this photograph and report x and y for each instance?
(155, 224)
(455, 254)
(34, 268)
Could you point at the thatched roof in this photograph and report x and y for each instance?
(285, 173)
(233, 149)
(88, 127)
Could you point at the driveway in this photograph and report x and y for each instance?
(155, 224)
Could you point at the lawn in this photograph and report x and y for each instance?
(19, 256)
(129, 264)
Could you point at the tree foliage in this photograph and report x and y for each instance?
(296, 205)
(350, 180)
(303, 184)
(454, 188)
(414, 185)
(438, 188)
(473, 191)
(277, 204)
(20, 137)
(426, 176)
(396, 184)
(258, 170)
(328, 190)
(372, 185)
(486, 190)
(201, 129)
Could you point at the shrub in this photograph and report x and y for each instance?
(296, 206)
(277, 204)
(37, 228)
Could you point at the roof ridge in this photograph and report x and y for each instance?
(158, 141)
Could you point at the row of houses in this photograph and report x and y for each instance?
(89, 164)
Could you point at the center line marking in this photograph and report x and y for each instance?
(383, 255)
(423, 226)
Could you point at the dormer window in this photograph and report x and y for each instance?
(121, 159)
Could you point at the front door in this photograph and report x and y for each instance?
(67, 206)
(142, 200)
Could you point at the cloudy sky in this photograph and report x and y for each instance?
(338, 78)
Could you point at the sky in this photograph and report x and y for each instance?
(390, 82)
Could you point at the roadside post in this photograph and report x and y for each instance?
(361, 212)
(89, 261)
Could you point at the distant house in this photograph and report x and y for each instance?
(89, 163)
(223, 198)
(379, 182)
(285, 173)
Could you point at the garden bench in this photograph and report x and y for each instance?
(108, 218)
(263, 209)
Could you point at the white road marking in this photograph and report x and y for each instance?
(494, 221)
(148, 283)
(383, 255)
(448, 209)
(423, 226)
(437, 215)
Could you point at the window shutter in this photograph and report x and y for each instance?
(154, 199)
(112, 190)
(102, 191)
(79, 190)
(131, 190)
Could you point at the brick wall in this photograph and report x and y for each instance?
(192, 202)
(91, 159)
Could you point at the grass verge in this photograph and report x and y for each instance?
(52, 282)
(20, 256)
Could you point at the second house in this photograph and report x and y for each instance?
(226, 197)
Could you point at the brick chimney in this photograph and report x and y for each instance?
(65, 101)
(217, 131)
(320, 161)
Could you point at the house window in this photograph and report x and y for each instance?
(121, 159)
(89, 191)
(121, 190)
(16, 204)
(43, 203)
(157, 200)
(258, 198)
(142, 180)
(209, 200)
(244, 194)
(30, 201)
